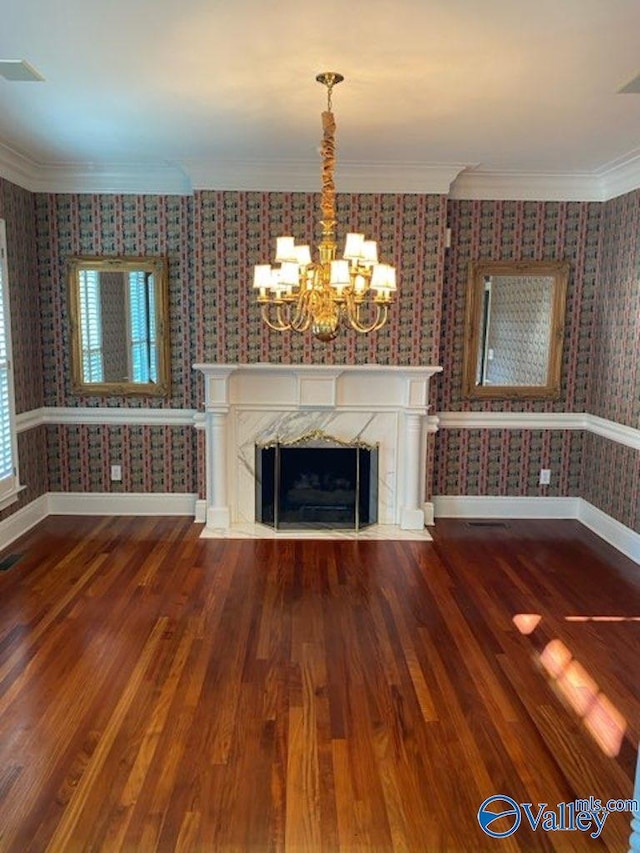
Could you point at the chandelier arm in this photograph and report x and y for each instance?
(303, 316)
(281, 325)
(301, 321)
(352, 317)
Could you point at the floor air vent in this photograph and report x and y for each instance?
(487, 524)
(7, 562)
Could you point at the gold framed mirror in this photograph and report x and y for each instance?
(119, 315)
(514, 329)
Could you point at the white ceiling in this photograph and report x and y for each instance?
(223, 93)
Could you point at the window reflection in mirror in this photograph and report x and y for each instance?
(119, 325)
(514, 329)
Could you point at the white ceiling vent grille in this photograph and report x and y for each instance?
(19, 70)
(632, 87)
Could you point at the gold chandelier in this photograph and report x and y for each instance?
(354, 291)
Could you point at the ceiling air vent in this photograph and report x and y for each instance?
(632, 87)
(19, 71)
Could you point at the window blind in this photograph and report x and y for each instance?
(142, 314)
(8, 453)
(91, 323)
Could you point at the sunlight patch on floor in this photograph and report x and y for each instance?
(601, 718)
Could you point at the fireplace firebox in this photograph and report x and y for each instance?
(316, 484)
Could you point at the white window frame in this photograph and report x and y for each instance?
(10, 483)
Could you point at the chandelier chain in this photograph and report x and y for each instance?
(329, 93)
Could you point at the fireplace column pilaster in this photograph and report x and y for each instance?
(217, 407)
(218, 511)
(412, 514)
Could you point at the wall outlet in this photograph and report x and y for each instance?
(116, 472)
(545, 476)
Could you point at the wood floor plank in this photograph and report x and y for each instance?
(161, 692)
(63, 835)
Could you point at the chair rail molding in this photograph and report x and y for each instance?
(104, 416)
(612, 430)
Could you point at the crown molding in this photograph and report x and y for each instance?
(186, 177)
(609, 181)
(420, 178)
(620, 176)
(304, 176)
(248, 175)
(138, 178)
(456, 180)
(18, 169)
(485, 184)
(119, 178)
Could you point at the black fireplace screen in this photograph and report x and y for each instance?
(315, 487)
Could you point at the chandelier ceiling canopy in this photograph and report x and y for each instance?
(299, 293)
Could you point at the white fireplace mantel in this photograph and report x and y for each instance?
(247, 404)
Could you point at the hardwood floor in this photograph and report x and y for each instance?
(163, 692)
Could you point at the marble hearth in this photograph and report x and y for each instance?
(249, 404)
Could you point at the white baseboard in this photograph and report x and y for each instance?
(619, 535)
(504, 507)
(429, 513)
(616, 534)
(23, 520)
(121, 503)
(200, 512)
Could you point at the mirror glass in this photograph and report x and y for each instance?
(514, 329)
(119, 325)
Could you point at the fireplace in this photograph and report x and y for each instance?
(371, 405)
(315, 485)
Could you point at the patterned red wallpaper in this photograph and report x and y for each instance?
(522, 230)
(114, 225)
(17, 208)
(614, 387)
(153, 458)
(611, 472)
(234, 230)
(611, 479)
(508, 462)
(213, 239)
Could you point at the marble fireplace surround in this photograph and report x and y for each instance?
(247, 404)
